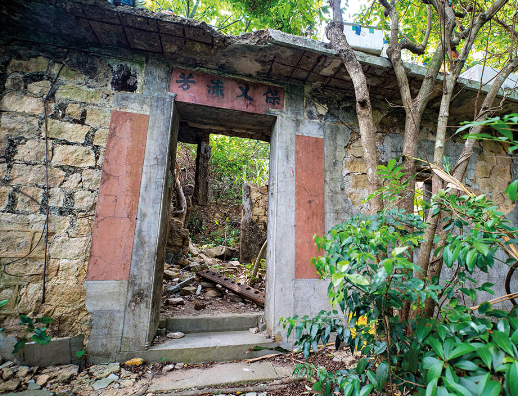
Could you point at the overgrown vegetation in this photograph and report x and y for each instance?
(234, 161)
(445, 348)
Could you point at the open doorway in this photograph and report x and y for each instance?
(218, 216)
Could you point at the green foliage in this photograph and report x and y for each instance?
(38, 327)
(301, 17)
(236, 161)
(413, 21)
(368, 262)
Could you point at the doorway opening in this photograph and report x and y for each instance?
(218, 217)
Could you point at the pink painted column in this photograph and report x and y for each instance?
(114, 226)
(309, 202)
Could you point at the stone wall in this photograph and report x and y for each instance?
(78, 89)
(259, 197)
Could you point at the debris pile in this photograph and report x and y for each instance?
(186, 292)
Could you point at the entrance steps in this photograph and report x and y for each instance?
(210, 338)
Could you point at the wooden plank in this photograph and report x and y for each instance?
(245, 291)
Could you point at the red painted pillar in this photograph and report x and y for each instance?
(114, 226)
(309, 202)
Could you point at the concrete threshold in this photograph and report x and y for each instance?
(212, 323)
(219, 374)
(206, 347)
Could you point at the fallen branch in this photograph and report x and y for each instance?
(275, 385)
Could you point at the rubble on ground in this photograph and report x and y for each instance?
(185, 293)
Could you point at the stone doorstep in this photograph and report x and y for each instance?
(206, 347)
(219, 374)
(213, 323)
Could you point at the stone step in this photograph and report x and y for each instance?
(206, 347)
(210, 323)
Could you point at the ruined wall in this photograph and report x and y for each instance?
(79, 89)
(490, 168)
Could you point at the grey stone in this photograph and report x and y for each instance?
(99, 371)
(113, 377)
(175, 335)
(32, 385)
(102, 383)
(30, 393)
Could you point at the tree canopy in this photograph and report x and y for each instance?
(299, 17)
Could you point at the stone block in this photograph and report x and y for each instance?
(68, 74)
(78, 156)
(4, 195)
(21, 104)
(57, 197)
(81, 227)
(67, 131)
(359, 181)
(84, 200)
(70, 248)
(57, 351)
(12, 124)
(33, 151)
(14, 82)
(356, 149)
(73, 181)
(36, 64)
(14, 243)
(101, 136)
(74, 110)
(91, 179)
(80, 94)
(22, 174)
(29, 199)
(39, 88)
(355, 166)
(96, 116)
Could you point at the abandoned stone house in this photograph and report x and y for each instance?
(102, 94)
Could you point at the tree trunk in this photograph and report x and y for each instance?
(335, 34)
(201, 179)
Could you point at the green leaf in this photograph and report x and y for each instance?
(447, 256)
(435, 371)
(431, 388)
(485, 354)
(436, 346)
(337, 278)
(26, 320)
(462, 349)
(366, 390)
(466, 365)
(3, 302)
(357, 279)
(80, 353)
(44, 320)
(492, 388)
(484, 307)
(511, 190)
(511, 380)
(481, 247)
(399, 250)
(19, 345)
(382, 375)
(503, 341)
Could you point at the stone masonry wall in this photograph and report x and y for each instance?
(80, 89)
(259, 197)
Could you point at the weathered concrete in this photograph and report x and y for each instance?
(204, 347)
(219, 374)
(30, 393)
(57, 351)
(211, 323)
(145, 283)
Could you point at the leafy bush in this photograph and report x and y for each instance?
(369, 263)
